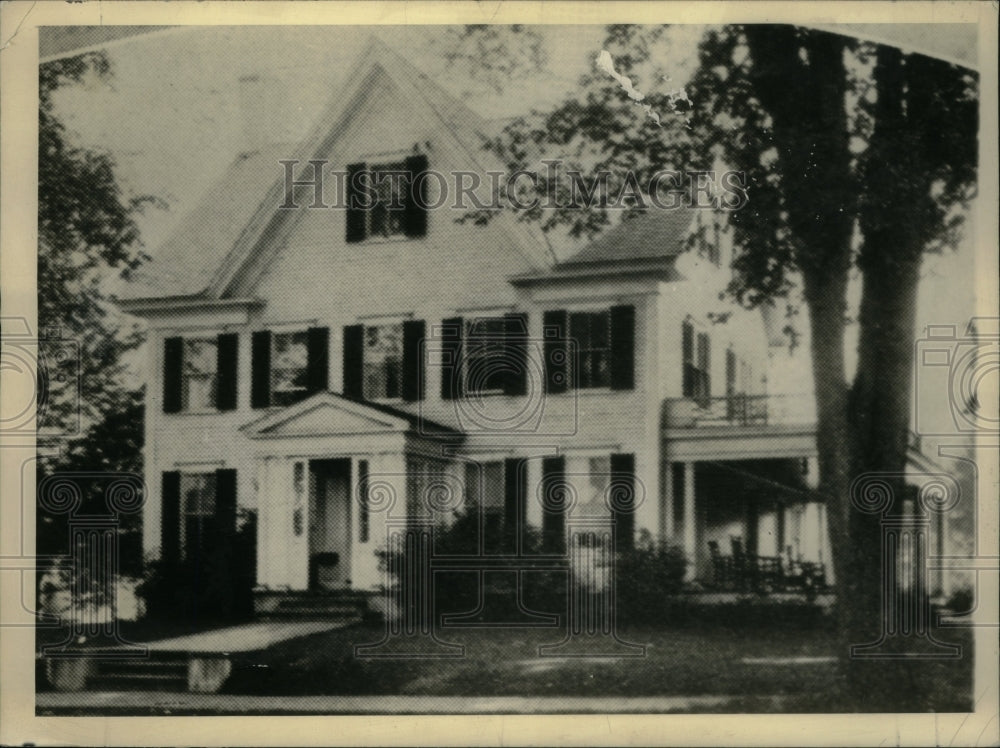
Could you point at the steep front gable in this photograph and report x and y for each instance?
(229, 245)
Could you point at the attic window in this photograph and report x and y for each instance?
(387, 200)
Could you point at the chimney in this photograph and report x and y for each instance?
(266, 112)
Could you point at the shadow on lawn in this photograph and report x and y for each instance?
(793, 665)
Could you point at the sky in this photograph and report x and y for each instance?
(175, 114)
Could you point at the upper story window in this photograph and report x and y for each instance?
(387, 199)
(288, 365)
(696, 357)
(590, 349)
(383, 361)
(486, 356)
(200, 373)
(591, 332)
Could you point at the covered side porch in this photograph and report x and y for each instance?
(739, 501)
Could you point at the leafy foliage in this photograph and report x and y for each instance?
(86, 235)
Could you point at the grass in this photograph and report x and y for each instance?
(505, 662)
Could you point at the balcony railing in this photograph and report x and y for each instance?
(739, 410)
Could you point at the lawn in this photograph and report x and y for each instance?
(746, 663)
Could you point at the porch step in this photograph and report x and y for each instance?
(159, 672)
(348, 607)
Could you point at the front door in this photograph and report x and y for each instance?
(330, 524)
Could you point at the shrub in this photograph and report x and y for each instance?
(645, 576)
(216, 586)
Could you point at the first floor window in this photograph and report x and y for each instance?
(199, 374)
(591, 332)
(197, 512)
(289, 366)
(383, 362)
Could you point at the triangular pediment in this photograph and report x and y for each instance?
(325, 414)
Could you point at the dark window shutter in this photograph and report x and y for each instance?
(227, 371)
(318, 362)
(173, 363)
(170, 518)
(555, 326)
(515, 486)
(622, 347)
(415, 220)
(260, 369)
(623, 499)
(414, 371)
(451, 358)
(355, 214)
(554, 504)
(516, 351)
(687, 358)
(354, 351)
(225, 504)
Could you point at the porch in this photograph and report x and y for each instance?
(737, 494)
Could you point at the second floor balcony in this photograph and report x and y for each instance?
(738, 410)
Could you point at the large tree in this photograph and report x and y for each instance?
(89, 419)
(87, 234)
(857, 157)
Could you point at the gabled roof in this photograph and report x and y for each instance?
(186, 262)
(657, 234)
(239, 215)
(646, 245)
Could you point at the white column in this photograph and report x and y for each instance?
(690, 549)
(667, 508)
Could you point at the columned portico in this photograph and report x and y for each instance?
(317, 529)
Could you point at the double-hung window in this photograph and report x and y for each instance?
(697, 363)
(591, 333)
(387, 200)
(198, 512)
(590, 349)
(199, 374)
(383, 362)
(487, 363)
(289, 365)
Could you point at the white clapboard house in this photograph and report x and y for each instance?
(337, 372)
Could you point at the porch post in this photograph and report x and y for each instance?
(667, 509)
(690, 549)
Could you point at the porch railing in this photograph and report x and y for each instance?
(738, 410)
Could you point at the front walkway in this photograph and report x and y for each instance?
(249, 637)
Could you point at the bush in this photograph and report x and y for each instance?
(645, 576)
(458, 591)
(217, 586)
